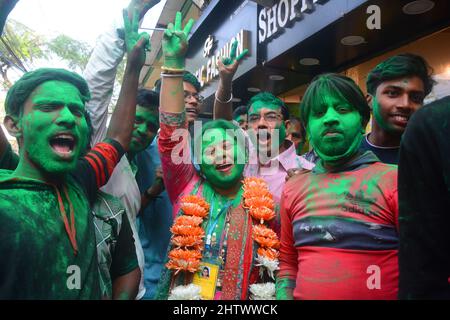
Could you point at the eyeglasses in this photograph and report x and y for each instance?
(195, 95)
(268, 117)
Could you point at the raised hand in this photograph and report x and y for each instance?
(136, 43)
(175, 44)
(229, 65)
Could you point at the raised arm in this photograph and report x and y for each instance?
(101, 70)
(122, 120)
(223, 107)
(174, 48)
(173, 138)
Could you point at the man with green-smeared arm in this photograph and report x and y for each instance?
(46, 230)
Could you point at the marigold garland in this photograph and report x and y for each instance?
(260, 204)
(269, 253)
(187, 235)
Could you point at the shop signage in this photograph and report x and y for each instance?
(207, 72)
(273, 20)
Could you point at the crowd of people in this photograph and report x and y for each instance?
(258, 204)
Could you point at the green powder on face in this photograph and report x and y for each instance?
(145, 128)
(379, 118)
(217, 144)
(53, 128)
(335, 130)
(276, 129)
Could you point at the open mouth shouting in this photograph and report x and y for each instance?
(192, 112)
(225, 168)
(63, 144)
(263, 136)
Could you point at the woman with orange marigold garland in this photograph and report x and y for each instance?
(215, 213)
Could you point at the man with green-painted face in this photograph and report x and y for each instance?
(228, 244)
(339, 234)
(271, 154)
(396, 89)
(48, 245)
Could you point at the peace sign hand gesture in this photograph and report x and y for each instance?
(175, 43)
(136, 43)
(229, 65)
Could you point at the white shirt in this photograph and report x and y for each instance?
(100, 73)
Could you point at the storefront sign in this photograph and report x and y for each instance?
(272, 21)
(207, 72)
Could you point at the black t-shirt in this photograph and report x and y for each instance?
(424, 203)
(386, 155)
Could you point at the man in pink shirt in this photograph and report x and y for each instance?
(271, 155)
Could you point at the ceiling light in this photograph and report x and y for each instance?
(418, 7)
(309, 61)
(352, 40)
(276, 77)
(252, 89)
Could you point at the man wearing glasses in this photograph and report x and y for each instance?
(271, 155)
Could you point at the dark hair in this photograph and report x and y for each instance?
(239, 111)
(270, 99)
(23, 87)
(190, 78)
(148, 99)
(402, 65)
(339, 86)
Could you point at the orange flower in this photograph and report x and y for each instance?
(254, 183)
(187, 230)
(195, 199)
(263, 201)
(268, 253)
(194, 209)
(263, 231)
(256, 192)
(185, 254)
(267, 242)
(187, 260)
(188, 221)
(262, 213)
(187, 241)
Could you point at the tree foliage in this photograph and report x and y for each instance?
(19, 48)
(75, 53)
